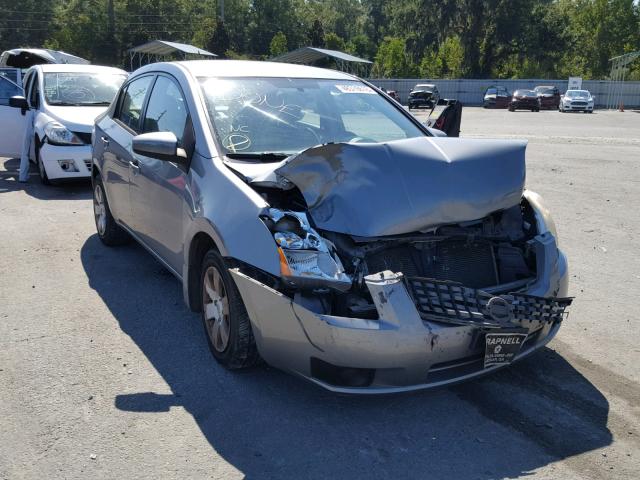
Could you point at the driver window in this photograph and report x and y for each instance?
(132, 102)
(167, 110)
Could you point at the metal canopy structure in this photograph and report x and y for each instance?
(619, 69)
(310, 55)
(162, 50)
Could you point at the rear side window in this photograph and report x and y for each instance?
(167, 110)
(132, 102)
(8, 89)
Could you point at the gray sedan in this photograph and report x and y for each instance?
(319, 227)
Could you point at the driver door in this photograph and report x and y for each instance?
(12, 120)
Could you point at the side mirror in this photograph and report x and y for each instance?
(19, 102)
(159, 145)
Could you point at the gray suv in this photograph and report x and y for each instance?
(319, 227)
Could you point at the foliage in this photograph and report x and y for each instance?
(433, 38)
(278, 44)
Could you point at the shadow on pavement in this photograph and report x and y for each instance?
(269, 424)
(66, 190)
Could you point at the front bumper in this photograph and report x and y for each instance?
(417, 103)
(524, 105)
(578, 108)
(400, 351)
(55, 157)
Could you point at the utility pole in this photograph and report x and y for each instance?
(111, 29)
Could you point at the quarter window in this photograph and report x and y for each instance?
(167, 111)
(133, 101)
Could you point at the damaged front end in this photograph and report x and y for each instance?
(372, 299)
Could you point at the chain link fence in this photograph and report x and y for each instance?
(471, 92)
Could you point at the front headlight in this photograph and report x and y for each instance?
(306, 259)
(58, 134)
(544, 222)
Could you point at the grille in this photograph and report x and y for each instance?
(470, 263)
(579, 104)
(85, 137)
(454, 303)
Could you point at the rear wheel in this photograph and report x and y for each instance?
(109, 232)
(225, 317)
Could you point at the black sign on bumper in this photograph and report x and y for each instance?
(501, 348)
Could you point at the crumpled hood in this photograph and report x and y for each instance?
(378, 189)
(79, 119)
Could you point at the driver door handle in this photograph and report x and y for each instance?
(105, 140)
(134, 164)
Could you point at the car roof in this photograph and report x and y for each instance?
(431, 85)
(73, 68)
(545, 86)
(249, 68)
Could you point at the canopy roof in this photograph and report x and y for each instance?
(163, 48)
(306, 55)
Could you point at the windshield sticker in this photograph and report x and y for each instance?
(355, 88)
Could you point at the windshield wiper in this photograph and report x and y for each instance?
(263, 157)
(79, 104)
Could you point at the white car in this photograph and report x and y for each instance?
(65, 100)
(576, 101)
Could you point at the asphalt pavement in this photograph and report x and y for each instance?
(104, 373)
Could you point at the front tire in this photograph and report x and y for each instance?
(44, 178)
(109, 232)
(224, 316)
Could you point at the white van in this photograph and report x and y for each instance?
(65, 99)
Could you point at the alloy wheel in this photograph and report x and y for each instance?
(99, 210)
(215, 304)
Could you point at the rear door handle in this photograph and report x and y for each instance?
(105, 140)
(134, 164)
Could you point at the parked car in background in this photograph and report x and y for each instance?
(496, 97)
(65, 100)
(524, 100)
(577, 101)
(24, 58)
(393, 94)
(356, 241)
(423, 95)
(548, 95)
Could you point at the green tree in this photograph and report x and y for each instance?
(278, 44)
(316, 34)
(334, 42)
(392, 59)
(219, 41)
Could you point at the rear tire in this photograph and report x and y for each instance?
(224, 317)
(109, 232)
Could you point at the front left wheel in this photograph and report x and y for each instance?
(44, 178)
(224, 316)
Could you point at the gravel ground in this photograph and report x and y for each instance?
(104, 373)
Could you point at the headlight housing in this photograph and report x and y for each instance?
(306, 259)
(544, 222)
(58, 134)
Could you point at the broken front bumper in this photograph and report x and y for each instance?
(401, 351)
(64, 161)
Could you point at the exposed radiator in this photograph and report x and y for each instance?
(472, 264)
